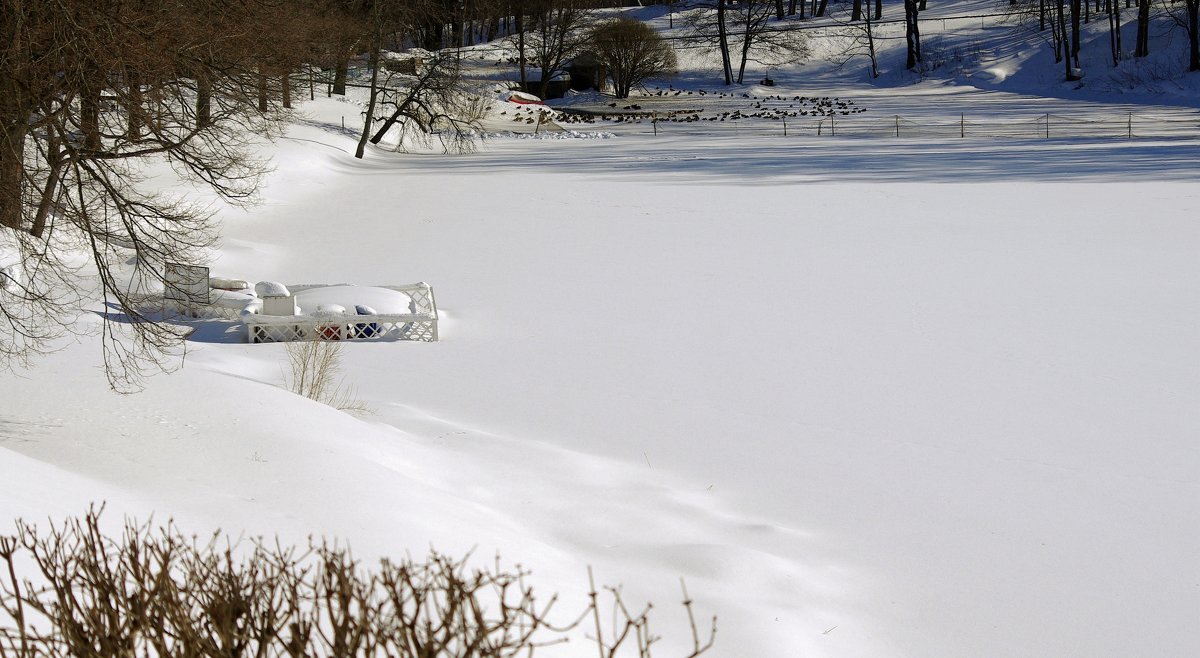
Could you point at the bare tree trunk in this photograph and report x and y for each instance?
(54, 164)
(261, 82)
(1141, 47)
(545, 35)
(912, 34)
(878, 9)
(871, 49)
(1114, 30)
(341, 71)
(89, 115)
(1193, 30)
(856, 10)
(1062, 37)
(1055, 40)
(1076, 10)
(820, 8)
(779, 10)
(723, 36)
(366, 131)
(434, 35)
(133, 108)
(286, 81)
(456, 32)
(14, 127)
(521, 48)
(746, 40)
(203, 101)
(493, 27)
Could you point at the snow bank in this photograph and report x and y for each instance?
(220, 283)
(271, 289)
(236, 300)
(383, 300)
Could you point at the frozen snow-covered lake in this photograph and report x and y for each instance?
(870, 397)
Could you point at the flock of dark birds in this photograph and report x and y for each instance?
(772, 108)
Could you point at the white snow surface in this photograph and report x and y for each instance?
(381, 299)
(271, 289)
(869, 397)
(12, 274)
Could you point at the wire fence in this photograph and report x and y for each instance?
(1044, 126)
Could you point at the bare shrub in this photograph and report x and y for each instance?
(151, 591)
(316, 366)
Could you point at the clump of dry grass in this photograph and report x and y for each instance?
(315, 372)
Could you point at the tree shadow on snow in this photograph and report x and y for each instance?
(760, 160)
(196, 330)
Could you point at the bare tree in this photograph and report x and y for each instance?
(745, 26)
(421, 92)
(344, 26)
(557, 36)
(1063, 18)
(378, 26)
(631, 52)
(92, 90)
(435, 105)
(708, 26)
(1189, 20)
(761, 43)
(858, 40)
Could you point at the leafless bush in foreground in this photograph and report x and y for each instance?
(151, 591)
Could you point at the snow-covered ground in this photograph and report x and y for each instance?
(870, 397)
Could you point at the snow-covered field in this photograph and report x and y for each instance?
(869, 397)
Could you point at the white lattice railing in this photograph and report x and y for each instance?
(421, 324)
(194, 310)
(284, 328)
